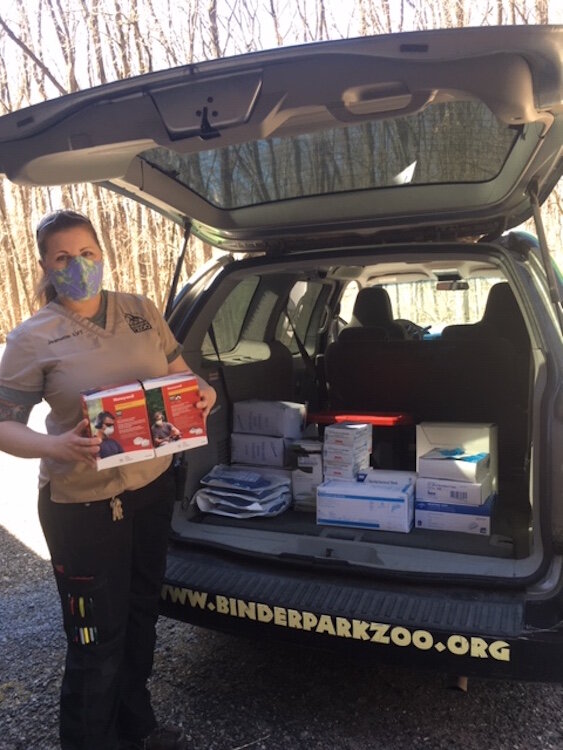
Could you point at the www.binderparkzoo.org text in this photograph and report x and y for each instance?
(339, 627)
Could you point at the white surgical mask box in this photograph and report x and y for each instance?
(345, 454)
(365, 505)
(174, 398)
(118, 414)
(284, 419)
(348, 472)
(354, 435)
(394, 479)
(469, 519)
(453, 493)
(262, 450)
(463, 452)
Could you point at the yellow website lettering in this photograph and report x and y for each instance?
(340, 627)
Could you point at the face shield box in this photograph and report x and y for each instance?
(460, 451)
(118, 415)
(176, 423)
(285, 419)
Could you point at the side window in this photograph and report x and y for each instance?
(229, 318)
(301, 316)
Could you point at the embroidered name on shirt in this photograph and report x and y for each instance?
(78, 332)
(137, 324)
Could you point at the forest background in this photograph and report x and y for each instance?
(52, 47)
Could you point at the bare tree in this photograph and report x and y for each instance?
(52, 47)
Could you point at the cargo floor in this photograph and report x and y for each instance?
(510, 536)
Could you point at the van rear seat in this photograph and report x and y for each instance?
(436, 380)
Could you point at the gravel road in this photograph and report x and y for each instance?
(232, 694)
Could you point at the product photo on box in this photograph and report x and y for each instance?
(176, 422)
(118, 415)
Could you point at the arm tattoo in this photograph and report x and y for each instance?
(10, 412)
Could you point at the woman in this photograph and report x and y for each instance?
(106, 530)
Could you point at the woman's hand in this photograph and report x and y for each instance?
(208, 397)
(75, 445)
(18, 439)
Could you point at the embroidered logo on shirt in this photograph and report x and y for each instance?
(137, 324)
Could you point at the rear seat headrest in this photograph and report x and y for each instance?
(372, 308)
(501, 309)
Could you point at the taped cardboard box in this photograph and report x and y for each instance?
(176, 423)
(364, 505)
(454, 493)
(469, 519)
(118, 415)
(263, 450)
(276, 418)
(471, 439)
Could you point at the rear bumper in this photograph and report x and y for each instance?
(472, 633)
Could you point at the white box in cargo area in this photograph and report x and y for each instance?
(453, 493)
(364, 505)
(470, 519)
(277, 418)
(394, 479)
(353, 435)
(471, 437)
(263, 450)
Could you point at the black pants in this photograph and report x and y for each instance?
(109, 575)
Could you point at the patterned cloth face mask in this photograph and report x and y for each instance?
(81, 279)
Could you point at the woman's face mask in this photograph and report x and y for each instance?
(109, 430)
(81, 279)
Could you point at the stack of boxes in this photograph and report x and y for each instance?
(264, 430)
(306, 474)
(346, 450)
(457, 476)
(143, 419)
(355, 495)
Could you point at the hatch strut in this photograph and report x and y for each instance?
(554, 289)
(178, 269)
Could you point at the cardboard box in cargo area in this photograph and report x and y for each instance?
(176, 423)
(470, 519)
(118, 415)
(459, 451)
(453, 493)
(365, 505)
(263, 450)
(284, 419)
